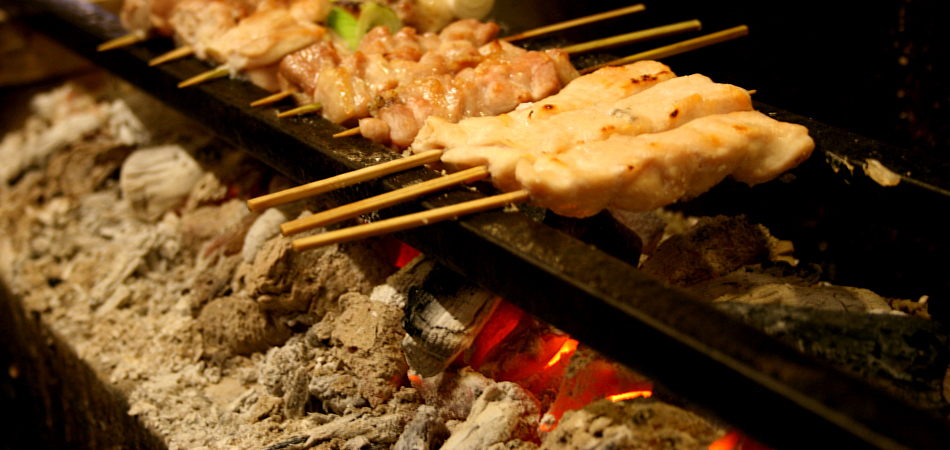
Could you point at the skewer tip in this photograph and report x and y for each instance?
(122, 41)
(220, 72)
(347, 133)
(271, 99)
(177, 53)
(305, 109)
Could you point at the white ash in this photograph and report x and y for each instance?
(631, 424)
(159, 179)
(128, 295)
(503, 413)
(125, 127)
(61, 118)
(426, 431)
(453, 394)
(285, 281)
(337, 393)
(366, 339)
(265, 227)
(382, 426)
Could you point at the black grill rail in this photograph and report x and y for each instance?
(769, 390)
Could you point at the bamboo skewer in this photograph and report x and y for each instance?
(300, 110)
(212, 74)
(634, 37)
(351, 132)
(178, 53)
(410, 221)
(382, 201)
(679, 47)
(122, 41)
(575, 22)
(343, 180)
(272, 98)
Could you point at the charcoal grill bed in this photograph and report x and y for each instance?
(772, 392)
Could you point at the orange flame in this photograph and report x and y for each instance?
(629, 395)
(568, 348)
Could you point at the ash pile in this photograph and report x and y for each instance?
(124, 229)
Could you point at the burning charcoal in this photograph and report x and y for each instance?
(366, 337)
(443, 318)
(425, 432)
(396, 289)
(238, 326)
(647, 224)
(452, 394)
(712, 248)
(504, 412)
(518, 347)
(590, 377)
(638, 423)
(906, 356)
(158, 179)
(286, 281)
(781, 284)
(602, 231)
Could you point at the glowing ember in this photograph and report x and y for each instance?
(629, 395)
(727, 442)
(592, 377)
(406, 255)
(567, 349)
(735, 440)
(397, 252)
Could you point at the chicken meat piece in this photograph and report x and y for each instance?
(262, 39)
(605, 85)
(198, 22)
(665, 106)
(640, 173)
(505, 78)
(346, 84)
(148, 16)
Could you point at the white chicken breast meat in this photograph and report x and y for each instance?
(578, 155)
(663, 107)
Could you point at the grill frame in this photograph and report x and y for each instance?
(576, 287)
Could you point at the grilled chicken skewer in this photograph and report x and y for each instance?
(630, 172)
(604, 85)
(397, 122)
(498, 144)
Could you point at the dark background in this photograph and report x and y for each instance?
(875, 68)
